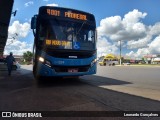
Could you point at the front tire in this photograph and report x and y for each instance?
(37, 77)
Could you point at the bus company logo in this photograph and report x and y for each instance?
(6, 114)
(72, 56)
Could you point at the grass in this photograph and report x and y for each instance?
(146, 64)
(142, 65)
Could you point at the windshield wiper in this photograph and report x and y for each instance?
(81, 27)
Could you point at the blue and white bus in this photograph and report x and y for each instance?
(64, 42)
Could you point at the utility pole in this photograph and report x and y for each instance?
(120, 61)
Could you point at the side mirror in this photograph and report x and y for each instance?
(33, 22)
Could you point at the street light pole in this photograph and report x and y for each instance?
(14, 13)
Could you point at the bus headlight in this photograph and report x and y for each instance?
(93, 62)
(45, 62)
(41, 59)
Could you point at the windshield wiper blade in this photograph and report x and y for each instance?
(81, 27)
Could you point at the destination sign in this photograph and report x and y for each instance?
(67, 14)
(57, 42)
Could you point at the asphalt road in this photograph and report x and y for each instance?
(20, 92)
(135, 80)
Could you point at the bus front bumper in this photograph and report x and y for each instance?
(49, 72)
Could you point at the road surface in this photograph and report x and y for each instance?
(20, 92)
(135, 80)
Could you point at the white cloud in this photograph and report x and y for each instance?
(21, 29)
(139, 54)
(154, 46)
(155, 29)
(133, 44)
(105, 47)
(13, 42)
(130, 54)
(110, 25)
(133, 17)
(128, 28)
(52, 4)
(29, 3)
(132, 31)
(18, 48)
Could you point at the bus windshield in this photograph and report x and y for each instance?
(60, 34)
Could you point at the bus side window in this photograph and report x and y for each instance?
(89, 36)
(85, 37)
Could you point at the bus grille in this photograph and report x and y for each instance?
(66, 54)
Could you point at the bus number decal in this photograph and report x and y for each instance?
(53, 12)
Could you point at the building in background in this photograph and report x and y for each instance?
(156, 60)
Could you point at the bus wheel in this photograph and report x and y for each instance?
(113, 64)
(35, 74)
(104, 64)
(37, 77)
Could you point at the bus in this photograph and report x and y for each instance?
(109, 60)
(64, 42)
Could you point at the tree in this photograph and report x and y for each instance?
(122, 59)
(28, 56)
(143, 60)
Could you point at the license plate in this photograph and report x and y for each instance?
(73, 70)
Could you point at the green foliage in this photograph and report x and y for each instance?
(122, 59)
(143, 59)
(28, 56)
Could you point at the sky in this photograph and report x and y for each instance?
(136, 23)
